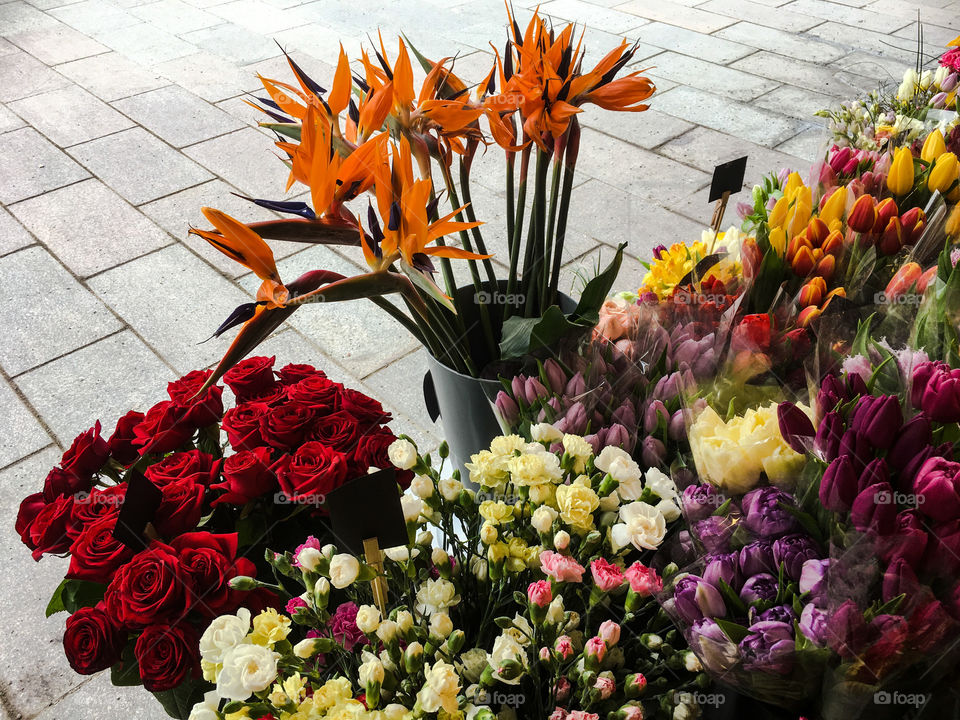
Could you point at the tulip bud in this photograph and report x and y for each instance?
(507, 407)
(944, 173)
(833, 243)
(863, 214)
(655, 413)
(534, 390)
(800, 241)
(825, 267)
(803, 262)
(903, 280)
(892, 238)
(933, 147)
(886, 209)
(900, 177)
(817, 232)
(812, 292)
(834, 205)
(778, 215)
(950, 83)
(653, 451)
(952, 227)
(808, 315)
(576, 386)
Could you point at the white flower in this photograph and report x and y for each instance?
(387, 631)
(669, 510)
(610, 503)
(487, 469)
(395, 711)
(555, 611)
(405, 621)
(412, 506)
(371, 672)
(247, 669)
(561, 540)
(505, 648)
(402, 453)
(441, 625)
(306, 648)
(223, 634)
(344, 569)
(401, 553)
(421, 486)
(450, 489)
(542, 518)
(691, 662)
(545, 432)
(641, 525)
(440, 688)
(436, 595)
(578, 448)
(309, 558)
(207, 709)
(622, 468)
(661, 484)
(368, 619)
(473, 662)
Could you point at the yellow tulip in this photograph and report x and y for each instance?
(835, 205)
(802, 207)
(944, 173)
(900, 178)
(953, 222)
(933, 147)
(794, 181)
(778, 240)
(779, 213)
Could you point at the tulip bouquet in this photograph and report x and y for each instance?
(138, 608)
(408, 144)
(527, 599)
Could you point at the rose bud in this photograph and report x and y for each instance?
(874, 509)
(937, 486)
(863, 214)
(878, 419)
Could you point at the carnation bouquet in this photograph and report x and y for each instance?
(529, 598)
(138, 607)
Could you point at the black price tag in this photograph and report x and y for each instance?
(368, 507)
(728, 178)
(139, 508)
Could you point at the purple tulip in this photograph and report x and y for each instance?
(792, 551)
(700, 501)
(575, 419)
(556, 377)
(795, 427)
(912, 438)
(909, 539)
(832, 392)
(744, 209)
(714, 534)
(534, 390)
(813, 580)
(677, 429)
(723, 567)
(875, 472)
(618, 436)
(839, 484)
(857, 447)
(769, 647)
(668, 387)
(847, 631)
(937, 486)
(829, 434)
(759, 588)
(507, 408)
(516, 386)
(756, 557)
(576, 386)
(939, 100)
(653, 452)
(899, 579)
(936, 389)
(765, 513)
(695, 599)
(779, 613)
(655, 414)
(949, 82)
(813, 624)
(594, 440)
(878, 419)
(712, 645)
(874, 510)
(625, 415)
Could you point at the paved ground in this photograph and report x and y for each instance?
(119, 119)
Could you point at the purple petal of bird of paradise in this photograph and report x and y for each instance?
(293, 207)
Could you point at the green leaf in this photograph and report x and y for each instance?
(731, 598)
(733, 631)
(291, 130)
(71, 595)
(523, 335)
(179, 701)
(126, 673)
(504, 623)
(596, 291)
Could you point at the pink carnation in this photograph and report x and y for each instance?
(596, 647)
(343, 626)
(562, 689)
(564, 647)
(643, 580)
(606, 575)
(607, 686)
(609, 632)
(558, 714)
(561, 568)
(311, 542)
(951, 59)
(582, 715)
(539, 593)
(294, 604)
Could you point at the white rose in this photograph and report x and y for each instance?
(412, 507)
(542, 518)
(368, 619)
(309, 558)
(344, 569)
(662, 484)
(421, 486)
(223, 634)
(207, 709)
(641, 525)
(450, 489)
(402, 453)
(441, 625)
(371, 672)
(436, 595)
(387, 631)
(545, 432)
(247, 669)
(440, 688)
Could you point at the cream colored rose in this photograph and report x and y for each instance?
(641, 525)
(436, 595)
(577, 504)
(402, 453)
(344, 569)
(306, 648)
(542, 518)
(405, 621)
(440, 688)
(247, 669)
(224, 633)
(545, 432)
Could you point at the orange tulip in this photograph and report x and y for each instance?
(891, 240)
(886, 209)
(924, 282)
(812, 292)
(826, 267)
(808, 315)
(803, 262)
(793, 248)
(817, 232)
(863, 214)
(903, 280)
(833, 244)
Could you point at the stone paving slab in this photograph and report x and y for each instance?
(57, 44)
(22, 433)
(13, 236)
(111, 76)
(177, 115)
(22, 75)
(70, 115)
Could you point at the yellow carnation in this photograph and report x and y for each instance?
(269, 628)
(576, 504)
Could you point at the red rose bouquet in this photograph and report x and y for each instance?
(293, 435)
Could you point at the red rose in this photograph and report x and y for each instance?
(30, 507)
(372, 452)
(92, 641)
(247, 476)
(62, 482)
(94, 506)
(149, 588)
(202, 411)
(317, 391)
(121, 442)
(189, 465)
(287, 426)
(96, 554)
(276, 395)
(180, 509)
(162, 429)
(250, 377)
(292, 374)
(752, 333)
(338, 430)
(312, 472)
(362, 407)
(242, 425)
(167, 655)
(87, 454)
(48, 531)
(208, 562)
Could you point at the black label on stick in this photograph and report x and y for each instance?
(139, 507)
(368, 507)
(728, 177)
